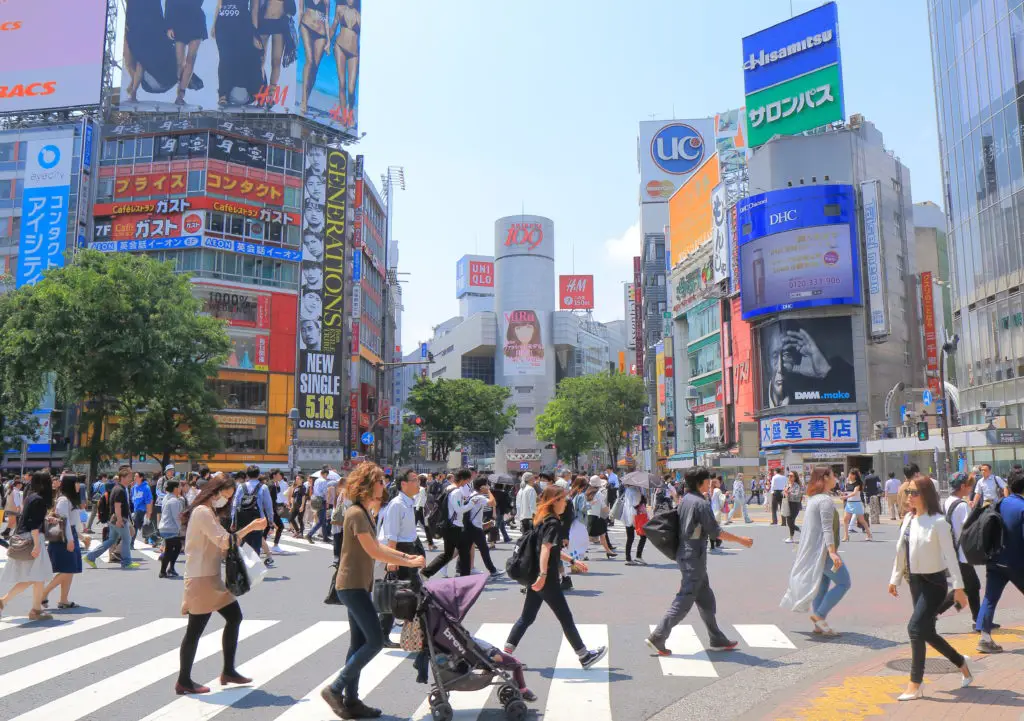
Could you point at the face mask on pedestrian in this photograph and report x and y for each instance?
(220, 502)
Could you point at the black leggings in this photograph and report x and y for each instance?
(172, 549)
(630, 535)
(232, 614)
(298, 525)
(552, 595)
(794, 511)
(928, 590)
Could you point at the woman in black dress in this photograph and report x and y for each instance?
(186, 26)
(238, 72)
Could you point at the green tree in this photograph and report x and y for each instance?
(565, 421)
(455, 411)
(123, 336)
(409, 440)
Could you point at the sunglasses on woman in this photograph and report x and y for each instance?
(913, 492)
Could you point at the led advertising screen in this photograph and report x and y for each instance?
(51, 54)
(798, 249)
(284, 56)
(806, 361)
(524, 343)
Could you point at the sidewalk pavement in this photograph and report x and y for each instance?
(868, 688)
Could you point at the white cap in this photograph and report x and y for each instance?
(169, 467)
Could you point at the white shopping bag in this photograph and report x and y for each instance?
(254, 567)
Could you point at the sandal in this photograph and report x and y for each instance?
(69, 604)
(39, 615)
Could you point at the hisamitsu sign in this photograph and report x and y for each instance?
(834, 429)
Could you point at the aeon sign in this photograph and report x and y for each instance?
(529, 234)
(678, 149)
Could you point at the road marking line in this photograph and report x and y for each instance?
(53, 633)
(688, 655)
(55, 666)
(576, 694)
(110, 689)
(306, 545)
(764, 635)
(265, 667)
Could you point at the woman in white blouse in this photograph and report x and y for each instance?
(924, 553)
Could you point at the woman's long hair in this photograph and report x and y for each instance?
(817, 483)
(794, 476)
(361, 481)
(546, 504)
(211, 489)
(42, 485)
(579, 485)
(929, 496)
(68, 490)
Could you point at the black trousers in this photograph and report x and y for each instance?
(776, 505)
(298, 525)
(972, 587)
(404, 573)
(794, 511)
(928, 591)
(455, 541)
(423, 522)
(232, 614)
(172, 549)
(630, 535)
(552, 595)
(479, 537)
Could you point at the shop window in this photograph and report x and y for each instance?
(234, 225)
(244, 440)
(144, 148)
(241, 395)
(248, 352)
(126, 149)
(216, 221)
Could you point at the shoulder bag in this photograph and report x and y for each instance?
(236, 580)
(20, 548)
(54, 529)
(385, 589)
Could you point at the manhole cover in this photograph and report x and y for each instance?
(931, 665)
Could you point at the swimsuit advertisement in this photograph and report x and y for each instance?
(242, 56)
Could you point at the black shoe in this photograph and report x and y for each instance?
(334, 700)
(173, 574)
(566, 584)
(163, 574)
(593, 657)
(358, 709)
(388, 643)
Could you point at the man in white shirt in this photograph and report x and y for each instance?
(478, 502)
(526, 502)
(990, 486)
(421, 502)
(892, 487)
(456, 539)
(739, 500)
(957, 507)
(398, 531)
(777, 487)
(318, 501)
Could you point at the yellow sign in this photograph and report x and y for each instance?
(690, 219)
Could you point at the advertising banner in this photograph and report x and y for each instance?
(689, 285)
(638, 310)
(257, 191)
(807, 361)
(873, 248)
(669, 152)
(629, 299)
(232, 150)
(44, 208)
(798, 249)
(525, 237)
(576, 292)
(524, 343)
(731, 146)
(804, 103)
(330, 32)
(248, 352)
(197, 241)
(474, 274)
(237, 307)
(833, 429)
(721, 248)
(689, 212)
(51, 52)
(175, 206)
(149, 184)
(931, 342)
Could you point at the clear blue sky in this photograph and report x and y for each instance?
(492, 106)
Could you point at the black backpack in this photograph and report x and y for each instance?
(524, 563)
(662, 531)
(982, 537)
(949, 519)
(248, 507)
(436, 512)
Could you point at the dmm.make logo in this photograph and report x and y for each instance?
(678, 149)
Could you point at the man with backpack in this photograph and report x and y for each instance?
(1007, 566)
(252, 501)
(957, 507)
(446, 520)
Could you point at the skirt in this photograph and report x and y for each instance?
(205, 594)
(596, 526)
(38, 570)
(63, 560)
(855, 507)
(187, 19)
(579, 541)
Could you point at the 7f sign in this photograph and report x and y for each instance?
(576, 292)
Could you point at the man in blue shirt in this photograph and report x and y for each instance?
(1008, 566)
(252, 501)
(142, 504)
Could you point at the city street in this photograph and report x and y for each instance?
(115, 658)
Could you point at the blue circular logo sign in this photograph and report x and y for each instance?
(49, 156)
(678, 149)
(367, 438)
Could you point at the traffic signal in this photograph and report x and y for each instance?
(418, 421)
(922, 430)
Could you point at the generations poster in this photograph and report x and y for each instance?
(283, 56)
(807, 361)
(524, 343)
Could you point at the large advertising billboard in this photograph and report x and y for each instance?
(798, 249)
(629, 301)
(523, 343)
(576, 292)
(474, 274)
(283, 56)
(51, 52)
(806, 361)
(792, 75)
(669, 152)
(689, 212)
(731, 146)
(44, 207)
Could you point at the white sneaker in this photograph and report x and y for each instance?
(276, 549)
(789, 540)
(475, 572)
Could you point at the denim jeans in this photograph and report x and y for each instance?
(996, 578)
(499, 520)
(126, 544)
(321, 525)
(827, 598)
(366, 640)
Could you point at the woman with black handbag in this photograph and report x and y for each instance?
(206, 542)
(66, 552)
(28, 564)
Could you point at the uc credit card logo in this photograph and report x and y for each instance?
(678, 149)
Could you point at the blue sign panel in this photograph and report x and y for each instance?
(196, 241)
(678, 149)
(830, 429)
(798, 249)
(423, 351)
(44, 208)
(366, 438)
(87, 148)
(357, 265)
(791, 48)
(926, 398)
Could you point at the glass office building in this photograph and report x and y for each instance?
(978, 65)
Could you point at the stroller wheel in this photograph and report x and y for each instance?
(507, 694)
(443, 711)
(516, 711)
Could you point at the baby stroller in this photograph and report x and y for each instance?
(458, 662)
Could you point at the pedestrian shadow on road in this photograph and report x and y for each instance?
(275, 579)
(745, 659)
(850, 638)
(991, 697)
(614, 674)
(59, 613)
(259, 698)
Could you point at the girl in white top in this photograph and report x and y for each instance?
(924, 553)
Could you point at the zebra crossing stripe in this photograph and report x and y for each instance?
(53, 633)
(265, 667)
(688, 657)
(55, 666)
(576, 694)
(305, 545)
(110, 689)
(765, 635)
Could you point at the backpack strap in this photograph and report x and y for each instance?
(949, 519)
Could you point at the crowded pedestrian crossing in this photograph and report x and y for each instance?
(120, 668)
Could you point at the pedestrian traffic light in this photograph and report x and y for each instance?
(922, 430)
(418, 421)
(142, 458)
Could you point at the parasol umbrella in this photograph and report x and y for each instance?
(643, 479)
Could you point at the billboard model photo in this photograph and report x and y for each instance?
(807, 361)
(524, 344)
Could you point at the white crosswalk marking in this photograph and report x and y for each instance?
(53, 633)
(50, 668)
(110, 689)
(577, 694)
(467, 706)
(305, 545)
(763, 636)
(262, 668)
(688, 656)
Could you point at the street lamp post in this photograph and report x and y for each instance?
(293, 447)
(948, 348)
(692, 401)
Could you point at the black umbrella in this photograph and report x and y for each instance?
(643, 479)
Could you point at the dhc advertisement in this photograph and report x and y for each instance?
(798, 249)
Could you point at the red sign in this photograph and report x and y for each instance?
(638, 315)
(931, 344)
(670, 367)
(742, 370)
(139, 186)
(528, 234)
(192, 223)
(263, 311)
(257, 191)
(576, 292)
(142, 227)
(481, 274)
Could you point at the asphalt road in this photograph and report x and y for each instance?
(116, 657)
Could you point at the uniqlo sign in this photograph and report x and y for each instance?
(576, 292)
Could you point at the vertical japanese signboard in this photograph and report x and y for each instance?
(931, 343)
(44, 208)
(357, 292)
(879, 321)
(638, 309)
